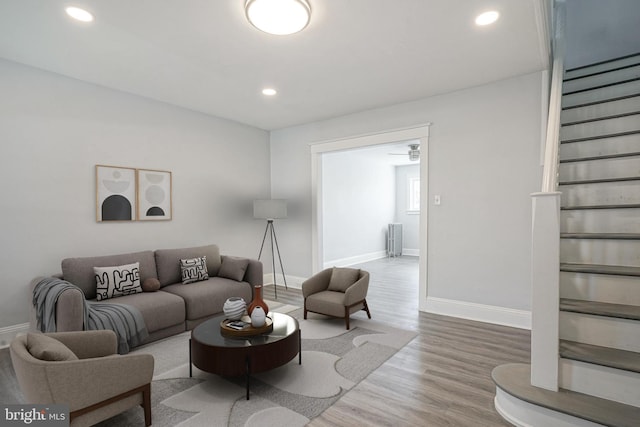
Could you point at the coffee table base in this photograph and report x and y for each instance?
(212, 359)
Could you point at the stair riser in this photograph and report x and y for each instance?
(600, 288)
(601, 79)
(600, 381)
(601, 147)
(601, 127)
(624, 62)
(601, 94)
(606, 109)
(600, 330)
(600, 221)
(601, 252)
(620, 167)
(605, 193)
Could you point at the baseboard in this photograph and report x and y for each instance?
(358, 259)
(410, 252)
(480, 312)
(292, 281)
(8, 333)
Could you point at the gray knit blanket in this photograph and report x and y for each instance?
(125, 320)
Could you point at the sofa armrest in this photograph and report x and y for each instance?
(358, 291)
(86, 382)
(88, 344)
(317, 283)
(254, 274)
(69, 309)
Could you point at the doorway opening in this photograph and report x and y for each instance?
(383, 185)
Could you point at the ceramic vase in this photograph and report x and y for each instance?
(234, 308)
(258, 317)
(257, 301)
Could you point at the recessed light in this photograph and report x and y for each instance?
(269, 91)
(79, 14)
(487, 18)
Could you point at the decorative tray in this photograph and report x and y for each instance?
(244, 328)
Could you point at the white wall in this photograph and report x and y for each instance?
(410, 221)
(358, 201)
(54, 130)
(483, 160)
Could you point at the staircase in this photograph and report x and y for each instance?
(599, 321)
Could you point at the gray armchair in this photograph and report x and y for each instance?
(85, 372)
(337, 292)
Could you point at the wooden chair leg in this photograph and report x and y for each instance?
(146, 404)
(366, 308)
(346, 316)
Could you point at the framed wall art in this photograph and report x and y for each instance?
(115, 193)
(154, 195)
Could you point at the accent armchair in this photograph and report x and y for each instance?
(337, 292)
(84, 371)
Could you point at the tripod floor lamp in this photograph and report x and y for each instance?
(271, 209)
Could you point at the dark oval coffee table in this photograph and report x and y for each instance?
(215, 353)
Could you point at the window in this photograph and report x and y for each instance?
(414, 195)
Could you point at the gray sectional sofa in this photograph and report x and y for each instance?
(175, 307)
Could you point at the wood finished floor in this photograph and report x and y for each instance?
(441, 378)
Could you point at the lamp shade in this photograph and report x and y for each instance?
(270, 209)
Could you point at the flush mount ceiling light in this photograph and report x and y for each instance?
(279, 17)
(487, 18)
(269, 91)
(79, 14)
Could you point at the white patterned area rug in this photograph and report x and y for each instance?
(334, 360)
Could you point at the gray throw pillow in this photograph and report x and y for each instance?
(50, 349)
(233, 268)
(342, 278)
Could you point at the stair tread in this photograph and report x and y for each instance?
(515, 379)
(625, 206)
(600, 180)
(601, 157)
(612, 236)
(600, 118)
(596, 308)
(600, 86)
(590, 138)
(598, 355)
(616, 270)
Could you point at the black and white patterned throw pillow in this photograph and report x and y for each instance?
(194, 269)
(112, 282)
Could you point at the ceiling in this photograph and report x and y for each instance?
(393, 154)
(355, 55)
(203, 55)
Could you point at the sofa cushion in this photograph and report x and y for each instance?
(201, 300)
(168, 262)
(113, 282)
(50, 349)
(233, 268)
(194, 270)
(342, 278)
(79, 271)
(159, 309)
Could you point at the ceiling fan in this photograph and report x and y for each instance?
(413, 153)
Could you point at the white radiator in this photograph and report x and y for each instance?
(394, 240)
